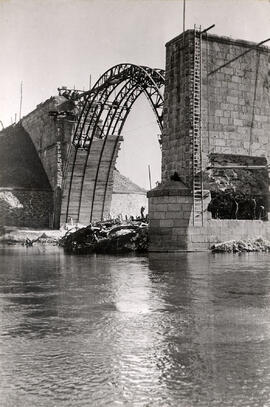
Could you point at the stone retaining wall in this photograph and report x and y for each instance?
(216, 231)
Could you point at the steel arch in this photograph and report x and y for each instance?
(103, 113)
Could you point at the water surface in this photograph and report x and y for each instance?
(179, 330)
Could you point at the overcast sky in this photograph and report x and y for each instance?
(50, 43)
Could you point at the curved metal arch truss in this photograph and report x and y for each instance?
(103, 113)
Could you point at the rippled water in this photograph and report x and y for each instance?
(165, 330)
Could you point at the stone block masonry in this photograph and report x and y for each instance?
(171, 224)
(25, 207)
(51, 139)
(235, 98)
(235, 120)
(171, 217)
(76, 202)
(26, 197)
(235, 101)
(37, 154)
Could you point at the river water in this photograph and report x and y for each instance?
(179, 330)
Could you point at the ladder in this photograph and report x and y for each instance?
(196, 139)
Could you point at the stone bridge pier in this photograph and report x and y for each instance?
(216, 114)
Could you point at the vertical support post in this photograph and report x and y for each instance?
(149, 174)
(184, 15)
(21, 96)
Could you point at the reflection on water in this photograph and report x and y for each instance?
(165, 330)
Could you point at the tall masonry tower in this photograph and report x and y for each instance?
(215, 144)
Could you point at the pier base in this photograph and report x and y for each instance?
(171, 226)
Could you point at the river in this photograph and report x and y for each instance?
(165, 330)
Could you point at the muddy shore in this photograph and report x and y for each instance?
(10, 235)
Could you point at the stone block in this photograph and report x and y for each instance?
(179, 231)
(181, 222)
(238, 122)
(200, 238)
(154, 222)
(187, 215)
(174, 207)
(159, 215)
(232, 99)
(162, 207)
(219, 113)
(166, 223)
(173, 215)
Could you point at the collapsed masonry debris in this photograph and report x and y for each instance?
(108, 237)
(239, 246)
(111, 236)
(231, 205)
(238, 186)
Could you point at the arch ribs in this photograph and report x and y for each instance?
(103, 111)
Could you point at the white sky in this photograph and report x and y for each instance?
(50, 43)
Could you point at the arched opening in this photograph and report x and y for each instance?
(140, 147)
(98, 133)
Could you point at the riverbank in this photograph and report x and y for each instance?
(27, 236)
(102, 237)
(110, 238)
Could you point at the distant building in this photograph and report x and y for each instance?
(127, 197)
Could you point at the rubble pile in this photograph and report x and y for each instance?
(237, 193)
(238, 246)
(108, 237)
